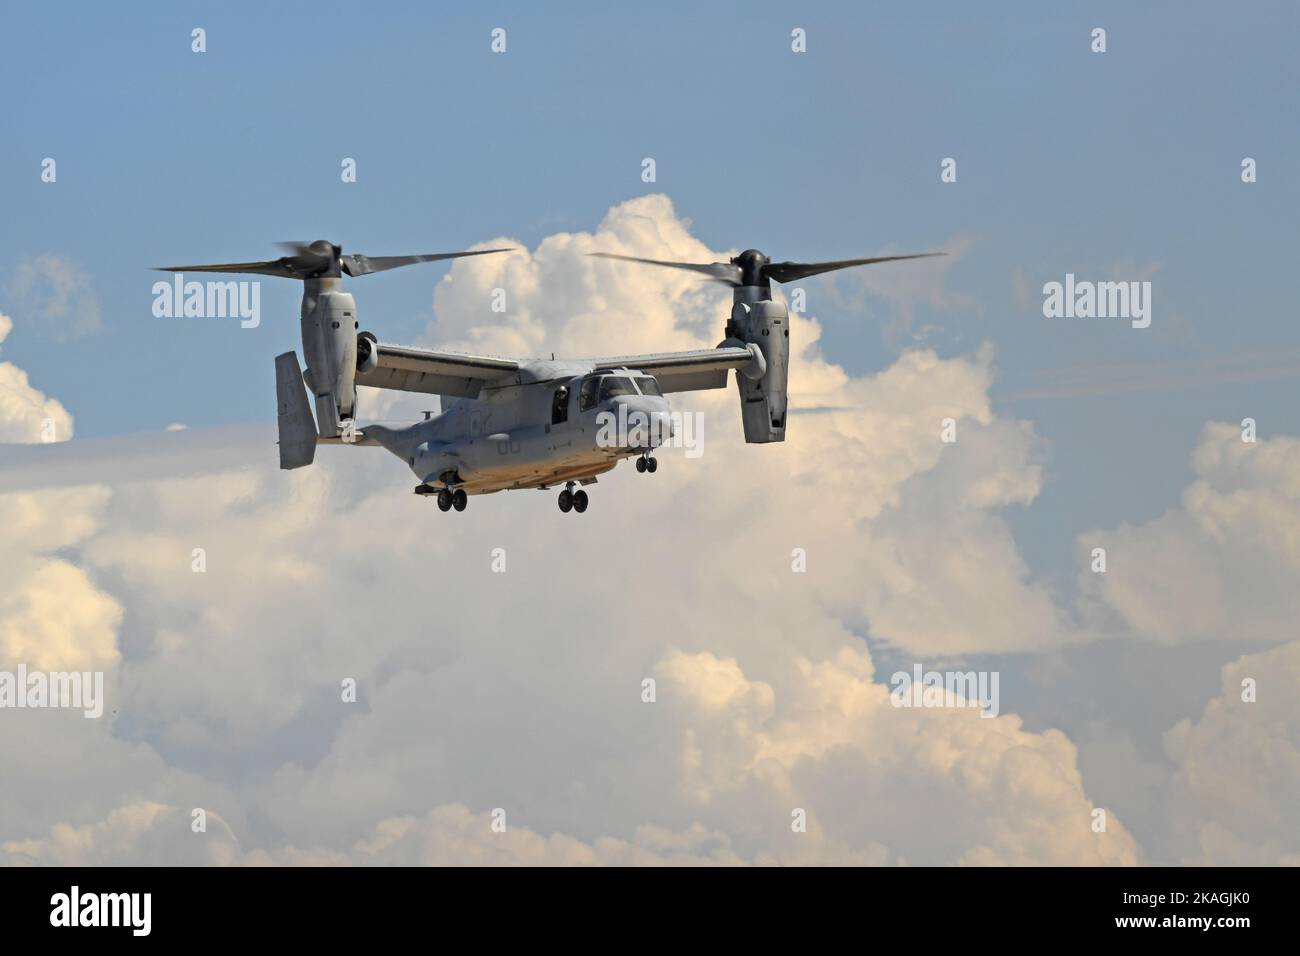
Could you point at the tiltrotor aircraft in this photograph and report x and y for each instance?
(519, 423)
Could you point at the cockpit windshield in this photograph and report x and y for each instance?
(612, 385)
(648, 386)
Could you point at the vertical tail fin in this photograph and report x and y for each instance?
(296, 426)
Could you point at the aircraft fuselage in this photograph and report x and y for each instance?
(534, 434)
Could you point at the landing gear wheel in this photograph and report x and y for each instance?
(641, 465)
(566, 500)
(580, 501)
(652, 465)
(459, 499)
(444, 500)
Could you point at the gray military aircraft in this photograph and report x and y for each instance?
(520, 423)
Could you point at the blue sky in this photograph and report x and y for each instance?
(1117, 165)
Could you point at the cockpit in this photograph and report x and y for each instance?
(601, 387)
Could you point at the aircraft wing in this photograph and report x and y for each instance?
(411, 369)
(685, 371)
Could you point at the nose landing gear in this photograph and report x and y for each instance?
(647, 463)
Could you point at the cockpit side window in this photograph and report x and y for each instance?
(587, 396)
(613, 385)
(649, 386)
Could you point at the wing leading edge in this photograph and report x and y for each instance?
(410, 369)
(687, 371)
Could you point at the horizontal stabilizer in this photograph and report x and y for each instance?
(356, 437)
(293, 416)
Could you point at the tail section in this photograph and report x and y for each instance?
(296, 426)
(397, 440)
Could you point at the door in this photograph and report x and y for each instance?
(560, 405)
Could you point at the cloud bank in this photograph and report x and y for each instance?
(501, 716)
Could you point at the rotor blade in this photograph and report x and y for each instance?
(720, 271)
(790, 271)
(297, 248)
(278, 267)
(364, 265)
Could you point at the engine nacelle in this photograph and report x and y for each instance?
(329, 344)
(765, 324)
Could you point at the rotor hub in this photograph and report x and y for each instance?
(752, 263)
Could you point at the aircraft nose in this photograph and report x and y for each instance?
(665, 420)
(649, 422)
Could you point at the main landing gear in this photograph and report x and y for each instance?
(573, 500)
(646, 463)
(448, 499)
